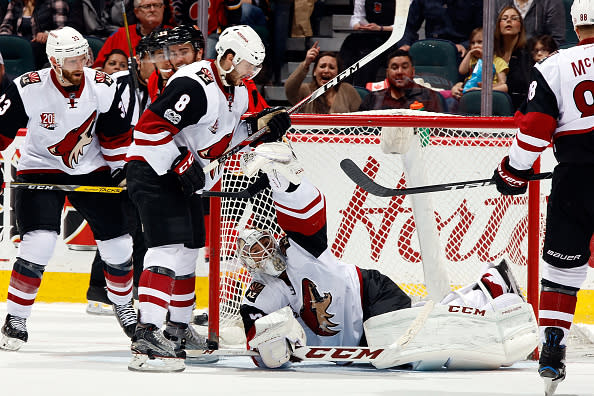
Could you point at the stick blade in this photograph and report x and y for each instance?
(362, 180)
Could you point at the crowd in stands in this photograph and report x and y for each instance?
(526, 31)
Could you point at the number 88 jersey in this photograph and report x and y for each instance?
(559, 109)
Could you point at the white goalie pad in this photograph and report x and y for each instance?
(396, 140)
(456, 337)
(276, 336)
(277, 160)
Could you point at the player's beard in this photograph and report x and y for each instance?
(73, 77)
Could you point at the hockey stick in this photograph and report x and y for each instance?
(64, 187)
(252, 190)
(400, 17)
(366, 183)
(343, 354)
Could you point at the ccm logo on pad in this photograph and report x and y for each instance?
(467, 310)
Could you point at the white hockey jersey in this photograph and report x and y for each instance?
(70, 131)
(559, 109)
(324, 293)
(196, 111)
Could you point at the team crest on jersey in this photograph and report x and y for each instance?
(314, 311)
(71, 147)
(205, 75)
(215, 127)
(48, 121)
(172, 116)
(104, 78)
(254, 291)
(30, 78)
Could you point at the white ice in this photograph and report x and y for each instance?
(72, 353)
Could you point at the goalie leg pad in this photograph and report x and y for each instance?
(455, 337)
(396, 140)
(276, 336)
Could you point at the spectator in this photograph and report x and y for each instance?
(115, 61)
(221, 13)
(510, 44)
(150, 18)
(451, 20)
(373, 24)
(469, 64)
(540, 17)
(402, 90)
(301, 18)
(541, 47)
(342, 98)
(32, 20)
(256, 13)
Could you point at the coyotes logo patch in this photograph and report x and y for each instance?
(205, 75)
(104, 78)
(254, 291)
(29, 78)
(315, 309)
(71, 147)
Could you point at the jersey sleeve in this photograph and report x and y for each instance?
(12, 115)
(113, 129)
(302, 215)
(182, 103)
(536, 120)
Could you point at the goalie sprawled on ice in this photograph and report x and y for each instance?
(302, 295)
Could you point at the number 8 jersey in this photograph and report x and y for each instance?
(559, 109)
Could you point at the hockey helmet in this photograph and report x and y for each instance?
(259, 251)
(582, 12)
(64, 43)
(186, 34)
(246, 46)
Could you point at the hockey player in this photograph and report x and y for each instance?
(194, 120)
(558, 110)
(76, 134)
(340, 304)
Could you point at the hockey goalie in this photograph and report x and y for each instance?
(301, 294)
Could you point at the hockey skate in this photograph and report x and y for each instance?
(126, 316)
(552, 360)
(185, 337)
(151, 351)
(98, 303)
(14, 333)
(509, 278)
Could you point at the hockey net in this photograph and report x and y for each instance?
(409, 238)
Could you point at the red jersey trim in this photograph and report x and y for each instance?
(28, 171)
(77, 93)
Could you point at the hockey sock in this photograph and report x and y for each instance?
(182, 298)
(24, 285)
(119, 282)
(154, 294)
(557, 307)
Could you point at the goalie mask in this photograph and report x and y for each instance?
(258, 251)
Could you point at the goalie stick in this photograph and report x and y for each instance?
(64, 187)
(366, 183)
(400, 17)
(352, 354)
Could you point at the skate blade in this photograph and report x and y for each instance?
(10, 344)
(204, 359)
(550, 386)
(142, 362)
(98, 308)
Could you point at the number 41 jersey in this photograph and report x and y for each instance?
(559, 109)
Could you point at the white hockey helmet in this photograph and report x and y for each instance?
(245, 44)
(582, 12)
(259, 251)
(65, 42)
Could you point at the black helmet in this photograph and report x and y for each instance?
(157, 39)
(186, 34)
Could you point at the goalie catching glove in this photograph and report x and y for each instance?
(277, 335)
(275, 159)
(509, 180)
(276, 119)
(188, 172)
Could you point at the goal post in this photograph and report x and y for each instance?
(470, 226)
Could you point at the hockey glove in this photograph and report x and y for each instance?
(275, 118)
(189, 173)
(118, 177)
(509, 180)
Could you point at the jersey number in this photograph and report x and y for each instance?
(583, 95)
(183, 101)
(4, 104)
